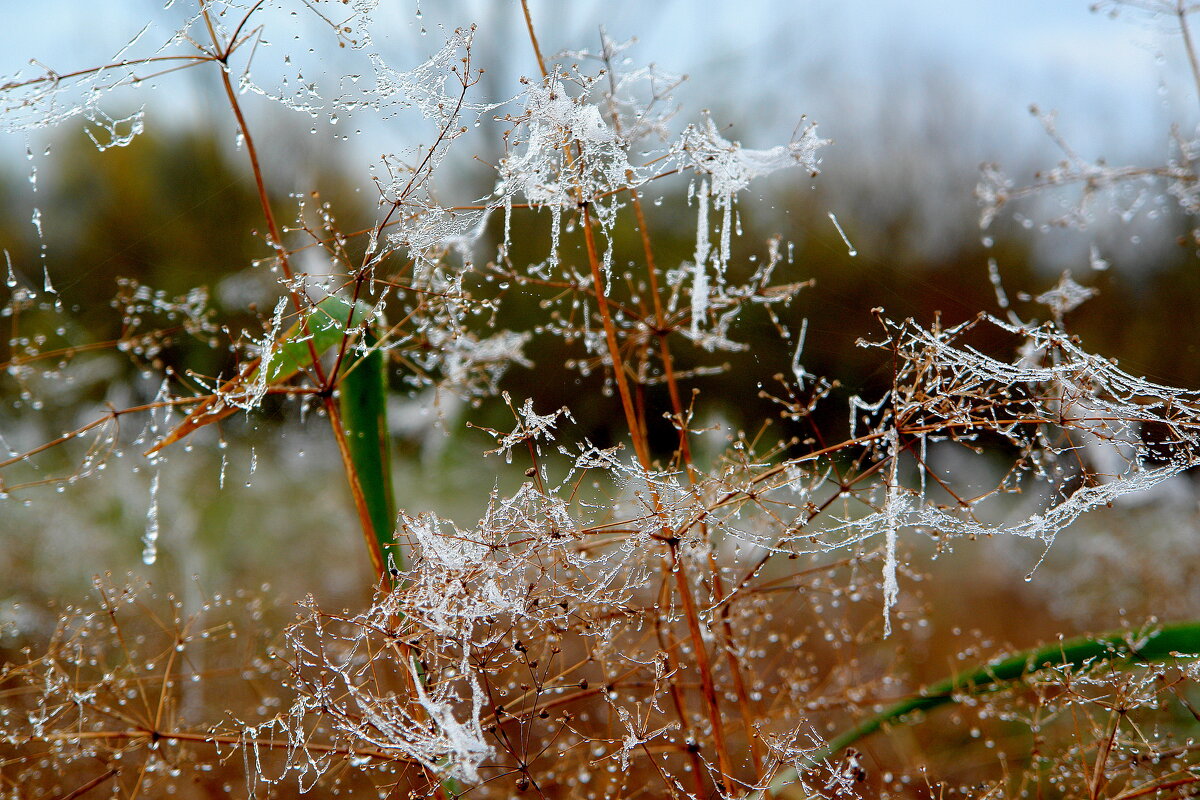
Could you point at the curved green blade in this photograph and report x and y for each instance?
(1182, 639)
(362, 398)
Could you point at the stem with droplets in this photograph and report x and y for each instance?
(326, 382)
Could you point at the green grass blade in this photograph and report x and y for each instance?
(362, 398)
(1168, 641)
(326, 327)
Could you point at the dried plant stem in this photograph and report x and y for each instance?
(374, 551)
(92, 784)
(1158, 786)
(537, 50)
(1099, 778)
(685, 453)
(636, 429)
(199, 737)
(757, 754)
(637, 432)
(113, 414)
(1167, 644)
(626, 616)
(642, 449)
(1182, 11)
(661, 333)
(677, 698)
(707, 685)
(57, 77)
(661, 330)
(675, 564)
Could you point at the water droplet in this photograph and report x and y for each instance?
(150, 537)
(852, 252)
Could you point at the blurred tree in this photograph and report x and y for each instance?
(172, 211)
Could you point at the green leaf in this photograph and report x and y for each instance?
(362, 398)
(327, 324)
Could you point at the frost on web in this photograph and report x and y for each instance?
(399, 683)
(730, 168)
(285, 75)
(473, 365)
(727, 168)
(440, 90)
(539, 167)
(432, 87)
(354, 678)
(531, 428)
(1091, 194)
(1067, 295)
(1077, 432)
(571, 150)
(561, 152)
(638, 100)
(42, 96)
(1083, 189)
(450, 351)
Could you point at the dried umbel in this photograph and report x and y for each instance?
(121, 694)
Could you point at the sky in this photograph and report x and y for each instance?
(823, 58)
(881, 78)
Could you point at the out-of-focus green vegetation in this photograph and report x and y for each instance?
(173, 211)
(178, 210)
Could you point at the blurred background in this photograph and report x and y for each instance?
(915, 96)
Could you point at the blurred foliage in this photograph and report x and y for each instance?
(172, 211)
(178, 210)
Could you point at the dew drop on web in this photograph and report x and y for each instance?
(150, 537)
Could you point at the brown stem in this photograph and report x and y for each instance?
(218, 739)
(642, 450)
(614, 351)
(685, 455)
(1182, 12)
(331, 409)
(676, 566)
(537, 50)
(1155, 788)
(680, 706)
(115, 413)
(707, 685)
(87, 787)
(735, 671)
(55, 77)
